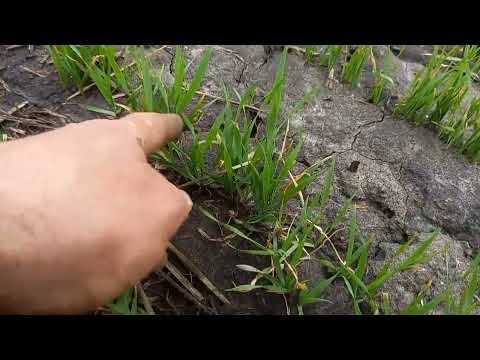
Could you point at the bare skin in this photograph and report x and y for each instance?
(83, 216)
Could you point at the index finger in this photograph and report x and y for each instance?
(154, 130)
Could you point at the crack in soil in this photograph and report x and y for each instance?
(373, 159)
(401, 175)
(239, 80)
(362, 127)
(304, 162)
(172, 60)
(267, 58)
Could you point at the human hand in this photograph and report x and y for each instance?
(83, 216)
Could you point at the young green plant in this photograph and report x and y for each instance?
(126, 303)
(352, 69)
(330, 56)
(70, 60)
(438, 94)
(383, 78)
(464, 303)
(287, 247)
(353, 269)
(82, 64)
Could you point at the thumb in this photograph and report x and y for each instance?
(154, 130)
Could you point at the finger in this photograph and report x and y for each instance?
(169, 208)
(171, 203)
(177, 204)
(153, 130)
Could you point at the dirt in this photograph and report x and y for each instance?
(404, 179)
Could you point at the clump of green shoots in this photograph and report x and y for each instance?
(156, 92)
(292, 243)
(471, 122)
(70, 60)
(455, 129)
(83, 64)
(288, 246)
(269, 170)
(126, 303)
(353, 269)
(145, 89)
(438, 94)
(252, 168)
(352, 70)
(419, 101)
(382, 77)
(439, 89)
(309, 51)
(330, 56)
(459, 82)
(452, 304)
(469, 299)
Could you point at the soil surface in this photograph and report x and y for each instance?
(405, 180)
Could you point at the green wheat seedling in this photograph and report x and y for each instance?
(269, 176)
(437, 96)
(82, 64)
(289, 245)
(97, 64)
(99, 70)
(390, 268)
(228, 142)
(454, 128)
(126, 303)
(157, 92)
(468, 300)
(309, 51)
(225, 142)
(383, 78)
(352, 70)
(460, 128)
(419, 305)
(457, 86)
(464, 303)
(419, 100)
(353, 269)
(252, 168)
(330, 56)
(269, 170)
(471, 121)
(69, 62)
(286, 248)
(436, 90)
